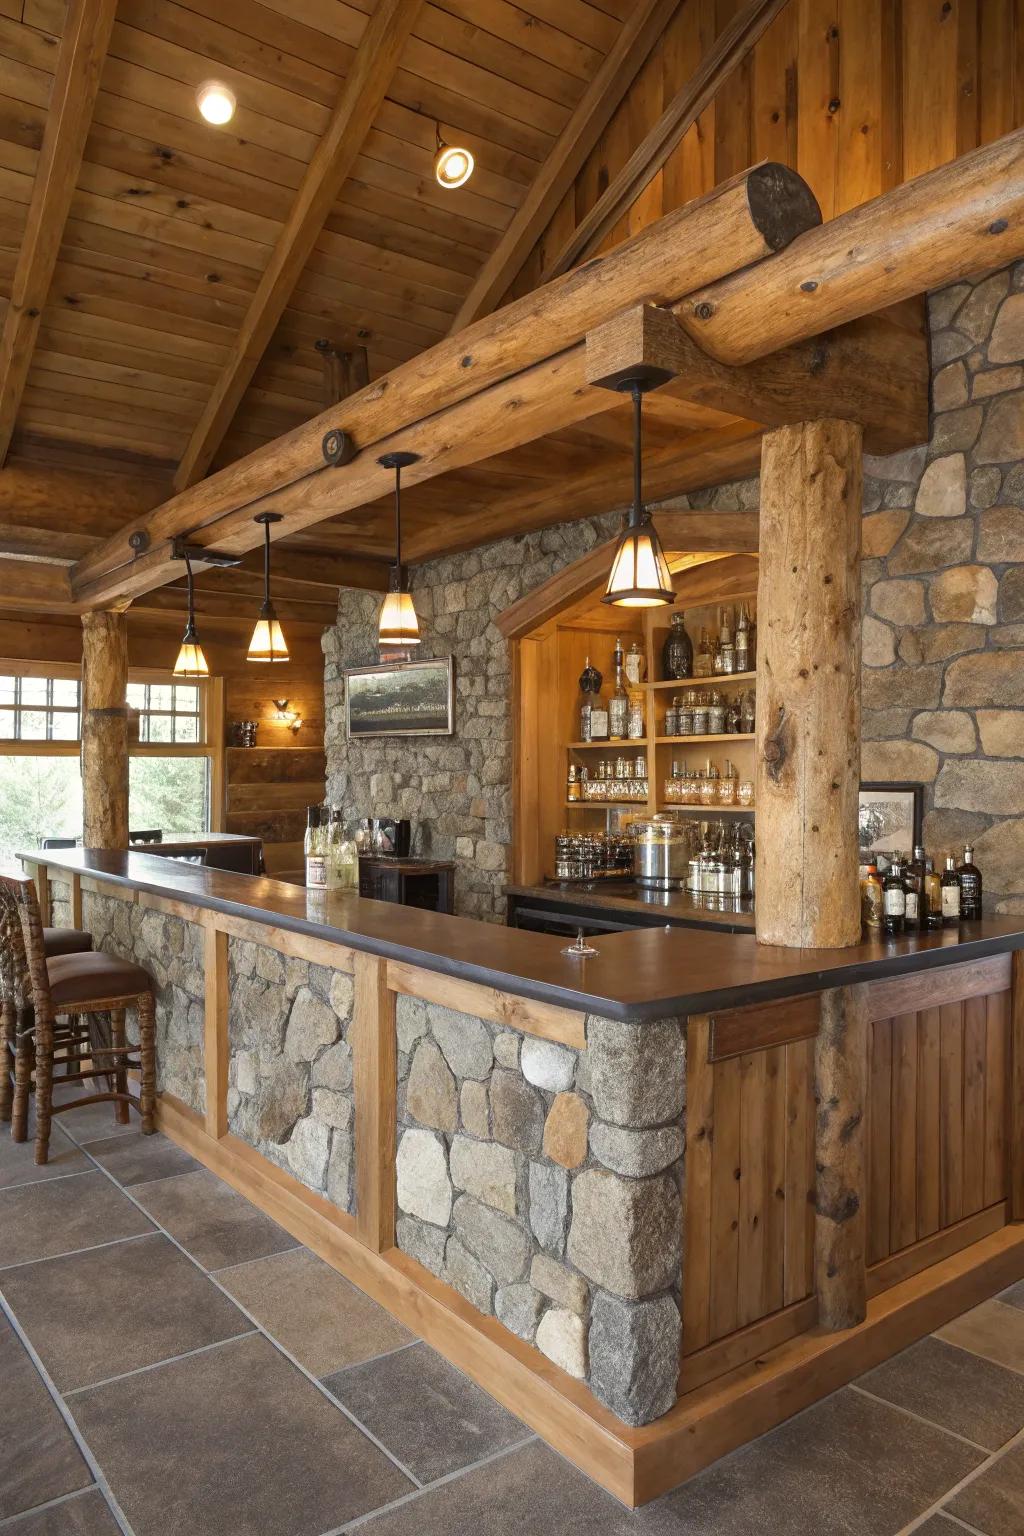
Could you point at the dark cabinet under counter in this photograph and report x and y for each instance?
(613, 906)
(425, 883)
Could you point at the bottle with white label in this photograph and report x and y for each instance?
(315, 851)
(950, 894)
(894, 901)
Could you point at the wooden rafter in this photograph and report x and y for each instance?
(362, 96)
(556, 176)
(726, 53)
(80, 59)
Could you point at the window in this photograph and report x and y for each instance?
(175, 769)
(38, 708)
(169, 712)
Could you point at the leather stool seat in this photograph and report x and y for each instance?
(78, 979)
(66, 941)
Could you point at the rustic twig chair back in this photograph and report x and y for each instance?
(15, 999)
(69, 987)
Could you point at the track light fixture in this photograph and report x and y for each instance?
(453, 165)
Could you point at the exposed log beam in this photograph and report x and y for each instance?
(967, 216)
(32, 490)
(36, 585)
(727, 52)
(510, 363)
(362, 96)
(80, 58)
(556, 176)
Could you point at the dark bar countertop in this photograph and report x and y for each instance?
(627, 897)
(645, 973)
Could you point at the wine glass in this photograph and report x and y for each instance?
(580, 948)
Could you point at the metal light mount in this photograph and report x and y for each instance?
(181, 549)
(338, 448)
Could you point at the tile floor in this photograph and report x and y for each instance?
(171, 1361)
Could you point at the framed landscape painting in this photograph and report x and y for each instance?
(403, 698)
(889, 820)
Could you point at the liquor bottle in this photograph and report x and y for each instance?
(970, 886)
(677, 652)
(871, 899)
(912, 888)
(726, 644)
(636, 665)
(590, 689)
(744, 653)
(894, 900)
(950, 894)
(572, 784)
(919, 864)
(313, 849)
(703, 665)
(618, 704)
(932, 897)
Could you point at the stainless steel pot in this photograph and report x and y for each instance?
(661, 853)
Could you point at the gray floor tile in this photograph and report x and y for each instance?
(232, 1441)
(994, 1501)
(957, 1390)
(91, 1121)
(434, 1419)
(86, 1514)
(938, 1525)
(848, 1466)
(993, 1329)
(213, 1222)
(110, 1310)
(529, 1492)
(38, 1221)
(1014, 1297)
(17, 1159)
(141, 1159)
(39, 1459)
(320, 1318)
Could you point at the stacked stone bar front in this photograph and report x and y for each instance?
(545, 1185)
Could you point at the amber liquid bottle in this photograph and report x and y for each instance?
(932, 897)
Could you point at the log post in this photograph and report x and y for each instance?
(105, 730)
(840, 1159)
(807, 760)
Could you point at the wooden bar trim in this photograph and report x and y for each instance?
(634, 1465)
(295, 946)
(95, 886)
(545, 1020)
(1015, 1148)
(933, 988)
(746, 1344)
(216, 1046)
(911, 1261)
(76, 901)
(185, 911)
(738, 1031)
(42, 878)
(375, 1089)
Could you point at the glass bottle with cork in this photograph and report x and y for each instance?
(618, 704)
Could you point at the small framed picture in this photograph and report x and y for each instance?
(403, 698)
(890, 818)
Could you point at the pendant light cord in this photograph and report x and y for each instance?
(191, 594)
(266, 563)
(637, 513)
(398, 519)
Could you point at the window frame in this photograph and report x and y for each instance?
(211, 706)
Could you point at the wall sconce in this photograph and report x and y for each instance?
(287, 717)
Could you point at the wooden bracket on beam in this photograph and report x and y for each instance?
(642, 340)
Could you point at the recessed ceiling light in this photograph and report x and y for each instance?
(216, 102)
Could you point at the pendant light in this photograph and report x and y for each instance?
(398, 624)
(191, 662)
(640, 577)
(453, 165)
(267, 643)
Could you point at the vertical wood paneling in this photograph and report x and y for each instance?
(951, 1114)
(929, 84)
(750, 1278)
(774, 1180)
(998, 43)
(700, 1121)
(799, 1213)
(974, 1105)
(644, 105)
(928, 1099)
(903, 1217)
(732, 109)
(967, 94)
(879, 1140)
(997, 1077)
(689, 170)
(821, 110)
(774, 90)
(862, 84)
(725, 1198)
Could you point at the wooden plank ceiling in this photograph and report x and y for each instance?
(173, 225)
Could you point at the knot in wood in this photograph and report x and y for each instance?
(704, 310)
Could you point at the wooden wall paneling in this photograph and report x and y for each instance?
(643, 108)
(726, 1172)
(929, 84)
(774, 1214)
(750, 1287)
(999, 40)
(974, 1044)
(997, 1085)
(698, 1191)
(732, 108)
(968, 93)
(819, 46)
(864, 28)
(689, 170)
(929, 1102)
(799, 1187)
(903, 1141)
(951, 1114)
(1015, 1088)
(774, 117)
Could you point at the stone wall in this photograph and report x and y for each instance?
(544, 1184)
(943, 680)
(171, 950)
(290, 1065)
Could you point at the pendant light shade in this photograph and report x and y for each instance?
(640, 577)
(191, 662)
(268, 642)
(398, 624)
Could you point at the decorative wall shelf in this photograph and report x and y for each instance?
(714, 681)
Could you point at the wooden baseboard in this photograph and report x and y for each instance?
(635, 1465)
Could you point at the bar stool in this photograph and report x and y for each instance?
(68, 987)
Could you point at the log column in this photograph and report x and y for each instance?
(807, 769)
(105, 730)
(840, 1158)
